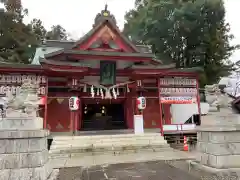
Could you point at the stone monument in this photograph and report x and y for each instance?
(23, 141)
(219, 141)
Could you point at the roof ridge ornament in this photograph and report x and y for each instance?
(104, 15)
(106, 6)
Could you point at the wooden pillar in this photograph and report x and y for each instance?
(78, 117)
(167, 113)
(72, 121)
(126, 112)
(160, 107)
(138, 93)
(198, 98)
(46, 106)
(130, 109)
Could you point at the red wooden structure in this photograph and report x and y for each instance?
(76, 69)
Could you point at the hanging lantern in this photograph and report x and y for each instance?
(74, 103)
(43, 100)
(141, 103)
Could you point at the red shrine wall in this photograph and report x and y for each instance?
(60, 119)
(58, 115)
(151, 114)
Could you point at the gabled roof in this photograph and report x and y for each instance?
(81, 52)
(105, 18)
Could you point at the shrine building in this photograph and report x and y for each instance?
(107, 72)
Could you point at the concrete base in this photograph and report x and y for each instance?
(24, 155)
(219, 143)
(72, 146)
(214, 173)
(219, 146)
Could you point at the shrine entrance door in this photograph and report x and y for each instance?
(102, 115)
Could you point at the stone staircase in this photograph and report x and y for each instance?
(78, 146)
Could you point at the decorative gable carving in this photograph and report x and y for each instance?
(105, 36)
(105, 41)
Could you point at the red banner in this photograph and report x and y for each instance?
(177, 100)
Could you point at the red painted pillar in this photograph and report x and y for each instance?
(160, 106)
(167, 113)
(76, 117)
(127, 112)
(45, 107)
(198, 99)
(138, 85)
(132, 110)
(76, 120)
(71, 121)
(79, 114)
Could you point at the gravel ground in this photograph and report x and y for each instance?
(139, 171)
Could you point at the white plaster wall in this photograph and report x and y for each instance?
(182, 112)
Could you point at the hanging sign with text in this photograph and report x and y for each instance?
(177, 100)
(13, 82)
(179, 91)
(177, 81)
(178, 86)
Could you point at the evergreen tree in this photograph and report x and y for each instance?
(188, 32)
(15, 36)
(57, 33)
(18, 41)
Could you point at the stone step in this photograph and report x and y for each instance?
(105, 140)
(113, 144)
(108, 138)
(126, 141)
(64, 154)
(132, 141)
(119, 136)
(102, 149)
(136, 143)
(116, 146)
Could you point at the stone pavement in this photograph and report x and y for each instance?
(88, 161)
(158, 170)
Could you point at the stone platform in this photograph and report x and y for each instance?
(219, 146)
(24, 155)
(79, 146)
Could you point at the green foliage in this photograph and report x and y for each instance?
(188, 32)
(18, 41)
(57, 33)
(15, 36)
(38, 29)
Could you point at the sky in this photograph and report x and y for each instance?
(77, 16)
